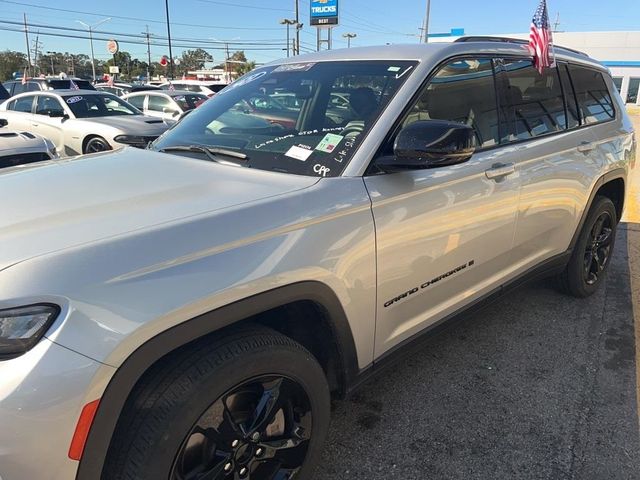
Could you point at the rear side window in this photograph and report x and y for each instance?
(573, 118)
(592, 94)
(21, 104)
(462, 91)
(137, 101)
(158, 103)
(531, 103)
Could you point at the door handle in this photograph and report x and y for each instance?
(586, 147)
(499, 170)
(34, 124)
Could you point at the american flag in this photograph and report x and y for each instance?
(24, 77)
(73, 85)
(540, 39)
(171, 87)
(110, 81)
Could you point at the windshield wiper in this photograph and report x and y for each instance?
(211, 152)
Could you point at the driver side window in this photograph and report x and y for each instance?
(462, 91)
(48, 105)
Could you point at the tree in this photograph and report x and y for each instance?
(194, 60)
(10, 62)
(243, 68)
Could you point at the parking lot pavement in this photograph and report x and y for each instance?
(536, 386)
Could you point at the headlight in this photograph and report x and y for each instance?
(134, 140)
(21, 328)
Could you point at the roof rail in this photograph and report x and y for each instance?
(480, 38)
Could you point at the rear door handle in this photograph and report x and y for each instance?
(34, 124)
(499, 170)
(585, 147)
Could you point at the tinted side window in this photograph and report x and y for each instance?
(462, 91)
(573, 119)
(9, 86)
(137, 101)
(532, 103)
(32, 87)
(157, 103)
(22, 104)
(48, 105)
(593, 97)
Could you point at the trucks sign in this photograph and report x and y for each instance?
(324, 12)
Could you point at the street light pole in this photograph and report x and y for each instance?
(425, 30)
(288, 23)
(349, 36)
(90, 28)
(166, 4)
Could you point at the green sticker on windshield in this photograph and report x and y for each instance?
(329, 143)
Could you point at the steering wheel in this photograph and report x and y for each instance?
(352, 129)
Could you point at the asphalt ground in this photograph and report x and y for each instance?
(538, 385)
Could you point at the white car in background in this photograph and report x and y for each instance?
(82, 121)
(167, 104)
(209, 88)
(21, 148)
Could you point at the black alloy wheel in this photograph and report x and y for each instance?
(96, 145)
(258, 430)
(592, 252)
(245, 404)
(598, 248)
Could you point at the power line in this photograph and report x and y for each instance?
(143, 20)
(134, 42)
(143, 36)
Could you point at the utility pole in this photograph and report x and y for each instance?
(26, 36)
(146, 32)
(36, 49)
(53, 71)
(349, 36)
(226, 62)
(296, 47)
(166, 4)
(425, 29)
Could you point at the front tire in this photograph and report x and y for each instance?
(253, 405)
(96, 145)
(592, 254)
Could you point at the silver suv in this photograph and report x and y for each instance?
(187, 314)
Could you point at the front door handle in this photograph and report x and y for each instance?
(499, 170)
(34, 124)
(586, 147)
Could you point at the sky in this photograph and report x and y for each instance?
(254, 24)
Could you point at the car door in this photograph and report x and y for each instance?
(19, 114)
(161, 107)
(444, 235)
(49, 120)
(555, 158)
(137, 101)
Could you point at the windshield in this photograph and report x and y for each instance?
(99, 105)
(189, 101)
(65, 84)
(287, 118)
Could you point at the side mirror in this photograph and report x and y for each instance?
(57, 114)
(3, 122)
(430, 144)
(170, 111)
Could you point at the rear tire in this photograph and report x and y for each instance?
(591, 256)
(181, 418)
(95, 145)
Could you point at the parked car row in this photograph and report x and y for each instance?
(164, 317)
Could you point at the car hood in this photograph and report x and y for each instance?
(21, 142)
(85, 199)
(133, 124)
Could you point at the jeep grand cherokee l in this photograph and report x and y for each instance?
(186, 313)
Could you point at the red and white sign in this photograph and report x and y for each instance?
(112, 47)
(164, 61)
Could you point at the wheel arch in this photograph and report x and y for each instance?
(138, 363)
(91, 136)
(612, 185)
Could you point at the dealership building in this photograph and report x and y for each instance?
(619, 51)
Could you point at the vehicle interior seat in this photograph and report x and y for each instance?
(364, 103)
